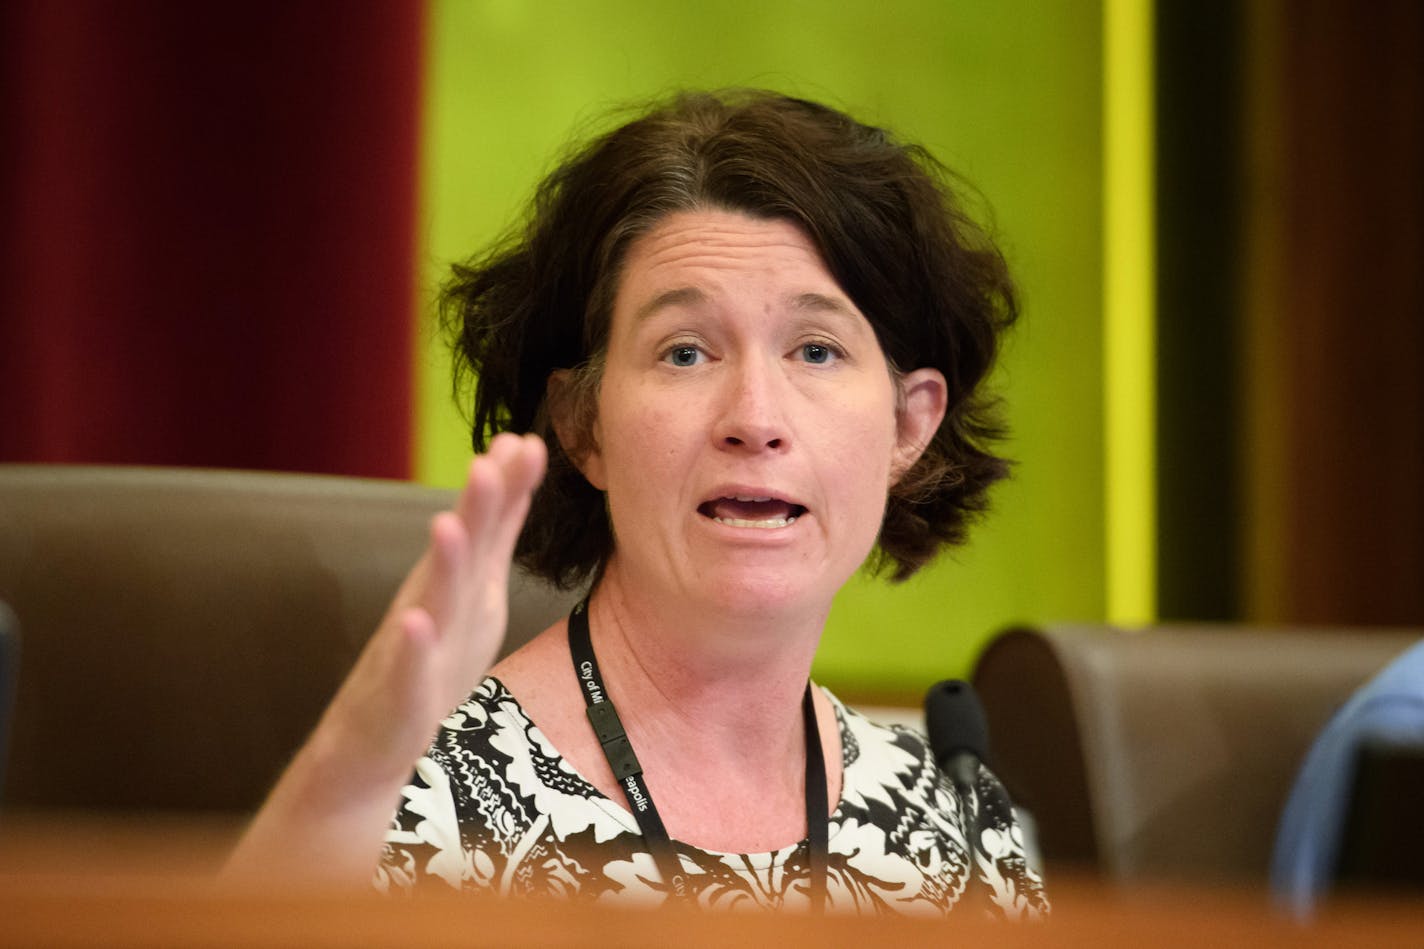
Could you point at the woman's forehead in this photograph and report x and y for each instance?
(691, 255)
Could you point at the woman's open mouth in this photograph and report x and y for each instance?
(766, 513)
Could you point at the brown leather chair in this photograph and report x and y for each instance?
(1165, 754)
(183, 629)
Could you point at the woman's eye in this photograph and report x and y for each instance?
(683, 355)
(816, 353)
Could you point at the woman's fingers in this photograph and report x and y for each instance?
(471, 547)
(463, 580)
(523, 470)
(497, 491)
(481, 498)
(497, 487)
(445, 566)
(418, 628)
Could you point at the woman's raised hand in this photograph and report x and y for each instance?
(446, 623)
(325, 818)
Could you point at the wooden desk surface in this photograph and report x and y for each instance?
(85, 882)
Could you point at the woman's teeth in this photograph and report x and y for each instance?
(771, 522)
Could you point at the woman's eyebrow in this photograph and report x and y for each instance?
(820, 303)
(809, 302)
(680, 296)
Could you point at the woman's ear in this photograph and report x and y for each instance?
(923, 398)
(573, 412)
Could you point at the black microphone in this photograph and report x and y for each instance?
(958, 730)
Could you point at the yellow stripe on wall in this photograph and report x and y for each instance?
(1129, 260)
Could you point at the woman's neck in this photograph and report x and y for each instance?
(712, 709)
(714, 713)
(734, 682)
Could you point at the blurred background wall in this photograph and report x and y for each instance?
(223, 228)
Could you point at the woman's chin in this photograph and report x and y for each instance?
(740, 586)
(744, 592)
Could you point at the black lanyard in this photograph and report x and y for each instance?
(629, 773)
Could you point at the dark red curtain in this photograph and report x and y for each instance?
(208, 233)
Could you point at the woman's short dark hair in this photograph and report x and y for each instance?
(890, 231)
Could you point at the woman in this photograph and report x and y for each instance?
(751, 333)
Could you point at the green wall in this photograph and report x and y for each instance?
(1007, 93)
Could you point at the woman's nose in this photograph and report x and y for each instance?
(753, 416)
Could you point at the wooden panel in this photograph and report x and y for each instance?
(1333, 369)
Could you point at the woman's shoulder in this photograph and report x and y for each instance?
(490, 704)
(536, 661)
(490, 787)
(892, 760)
(490, 727)
(896, 797)
(877, 751)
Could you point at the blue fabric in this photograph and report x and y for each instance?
(1388, 708)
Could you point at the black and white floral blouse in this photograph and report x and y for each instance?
(494, 806)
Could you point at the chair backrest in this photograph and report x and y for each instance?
(1166, 754)
(184, 628)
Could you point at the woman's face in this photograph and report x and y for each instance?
(748, 427)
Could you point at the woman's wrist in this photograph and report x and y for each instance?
(347, 760)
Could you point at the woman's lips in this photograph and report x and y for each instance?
(767, 513)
